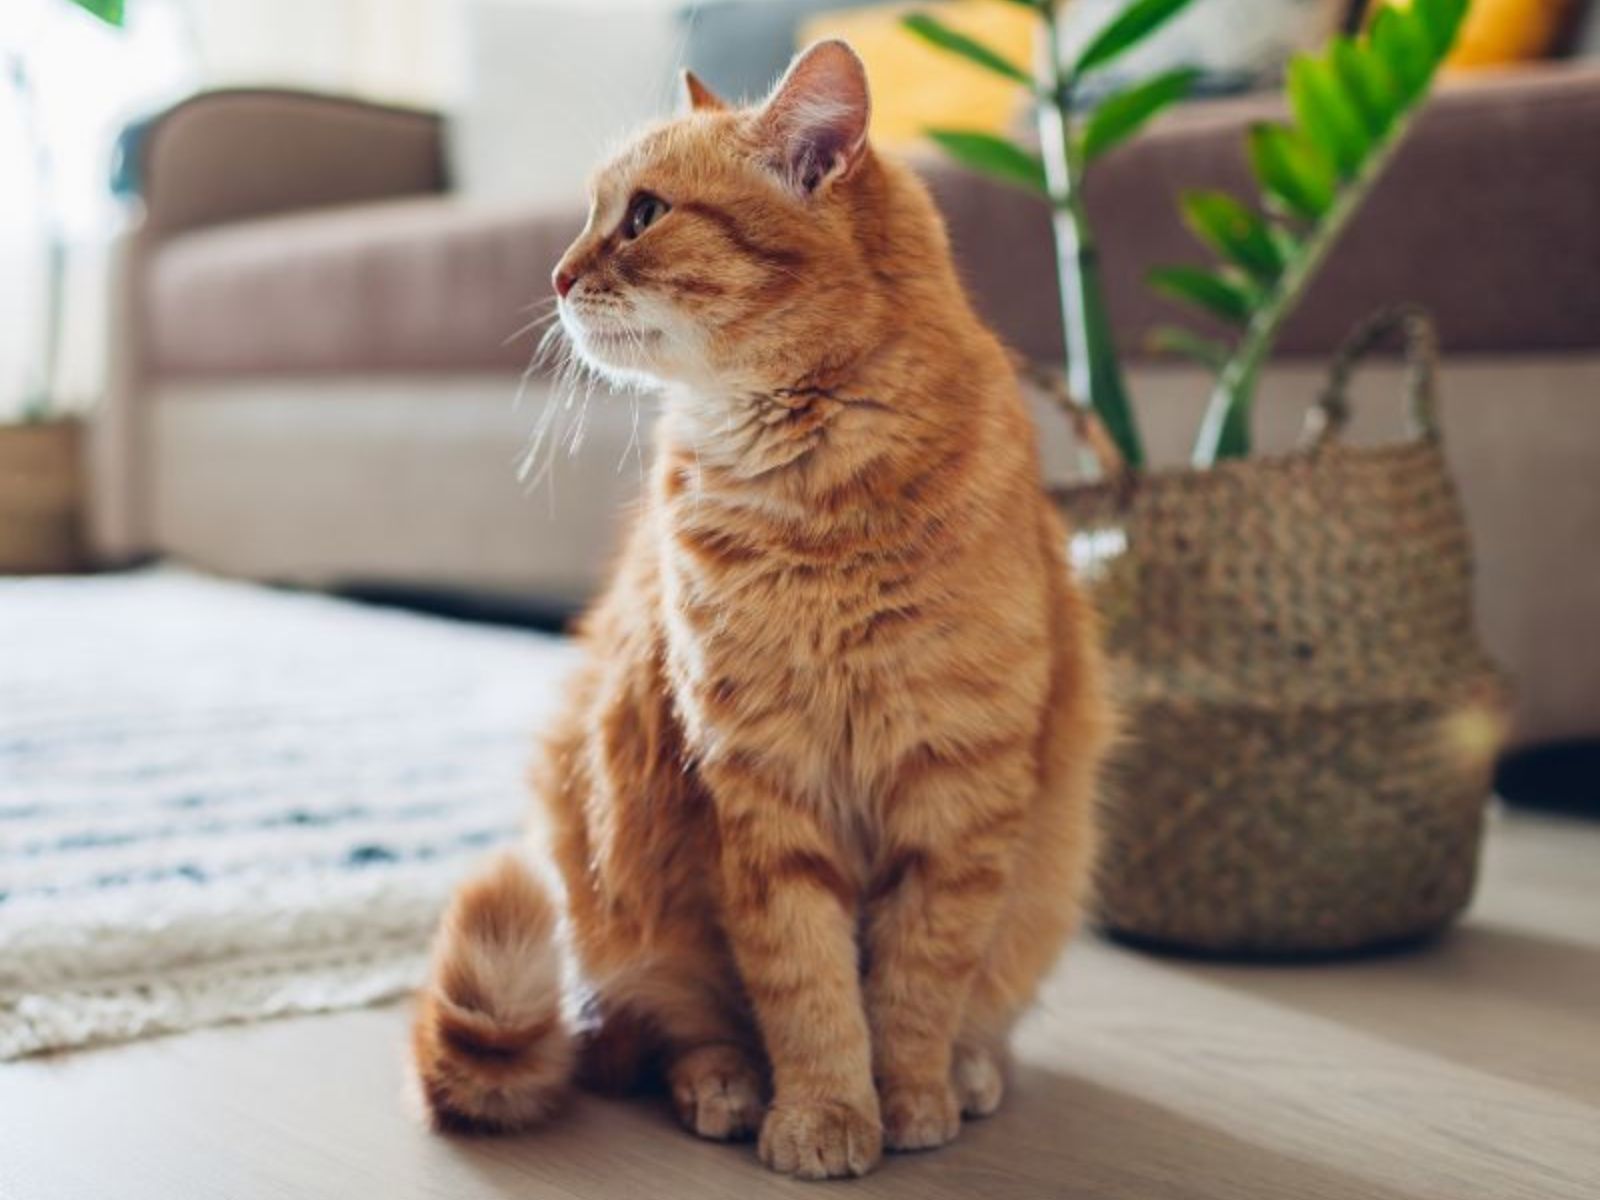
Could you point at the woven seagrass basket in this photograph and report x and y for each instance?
(1311, 718)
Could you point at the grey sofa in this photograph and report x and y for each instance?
(318, 363)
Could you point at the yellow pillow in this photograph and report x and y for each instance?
(1506, 31)
(915, 85)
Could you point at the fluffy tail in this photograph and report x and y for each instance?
(491, 1049)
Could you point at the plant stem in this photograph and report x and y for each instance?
(1093, 375)
(1225, 431)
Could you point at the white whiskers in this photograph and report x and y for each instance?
(572, 384)
(550, 313)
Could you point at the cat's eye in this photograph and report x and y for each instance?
(643, 211)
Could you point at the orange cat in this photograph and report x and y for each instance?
(822, 798)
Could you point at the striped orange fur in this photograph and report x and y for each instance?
(822, 796)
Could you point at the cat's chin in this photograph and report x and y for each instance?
(625, 357)
(628, 376)
(622, 346)
(630, 379)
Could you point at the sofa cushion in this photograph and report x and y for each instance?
(421, 284)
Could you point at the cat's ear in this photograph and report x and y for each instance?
(815, 121)
(695, 96)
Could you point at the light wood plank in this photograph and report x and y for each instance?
(1468, 1069)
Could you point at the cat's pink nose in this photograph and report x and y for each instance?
(564, 281)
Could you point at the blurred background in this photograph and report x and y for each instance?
(271, 275)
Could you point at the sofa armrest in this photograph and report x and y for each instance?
(228, 155)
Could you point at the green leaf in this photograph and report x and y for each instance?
(1442, 19)
(1119, 116)
(937, 33)
(1185, 343)
(1126, 30)
(1366, 82)
(109, 11)
(1233, 231)
(1326, 114)
(1406, 48)
(993, 156)
(1220, 297)
(1291, 171)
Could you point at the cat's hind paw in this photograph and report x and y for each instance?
(920, 1116)
(979, 1078)
(717, 1092)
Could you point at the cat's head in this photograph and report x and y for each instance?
(727, 246)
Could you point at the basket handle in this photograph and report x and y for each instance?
(1087, 426)
(1328, 417)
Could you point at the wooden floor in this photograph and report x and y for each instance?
(1468, 1069)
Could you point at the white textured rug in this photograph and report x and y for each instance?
(219, 802)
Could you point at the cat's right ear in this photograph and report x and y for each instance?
(695, 96)
(816, 118)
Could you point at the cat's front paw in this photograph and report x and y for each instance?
(821, 1139)
(920, 1116)
(717, 1092)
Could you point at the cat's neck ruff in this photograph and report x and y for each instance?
(814, 423)
(752, 433)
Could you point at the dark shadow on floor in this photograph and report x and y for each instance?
(479, 607)
(1561, 777)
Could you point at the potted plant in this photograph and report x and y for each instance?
(41, 453)
(1070, 143)
(1312, 717)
